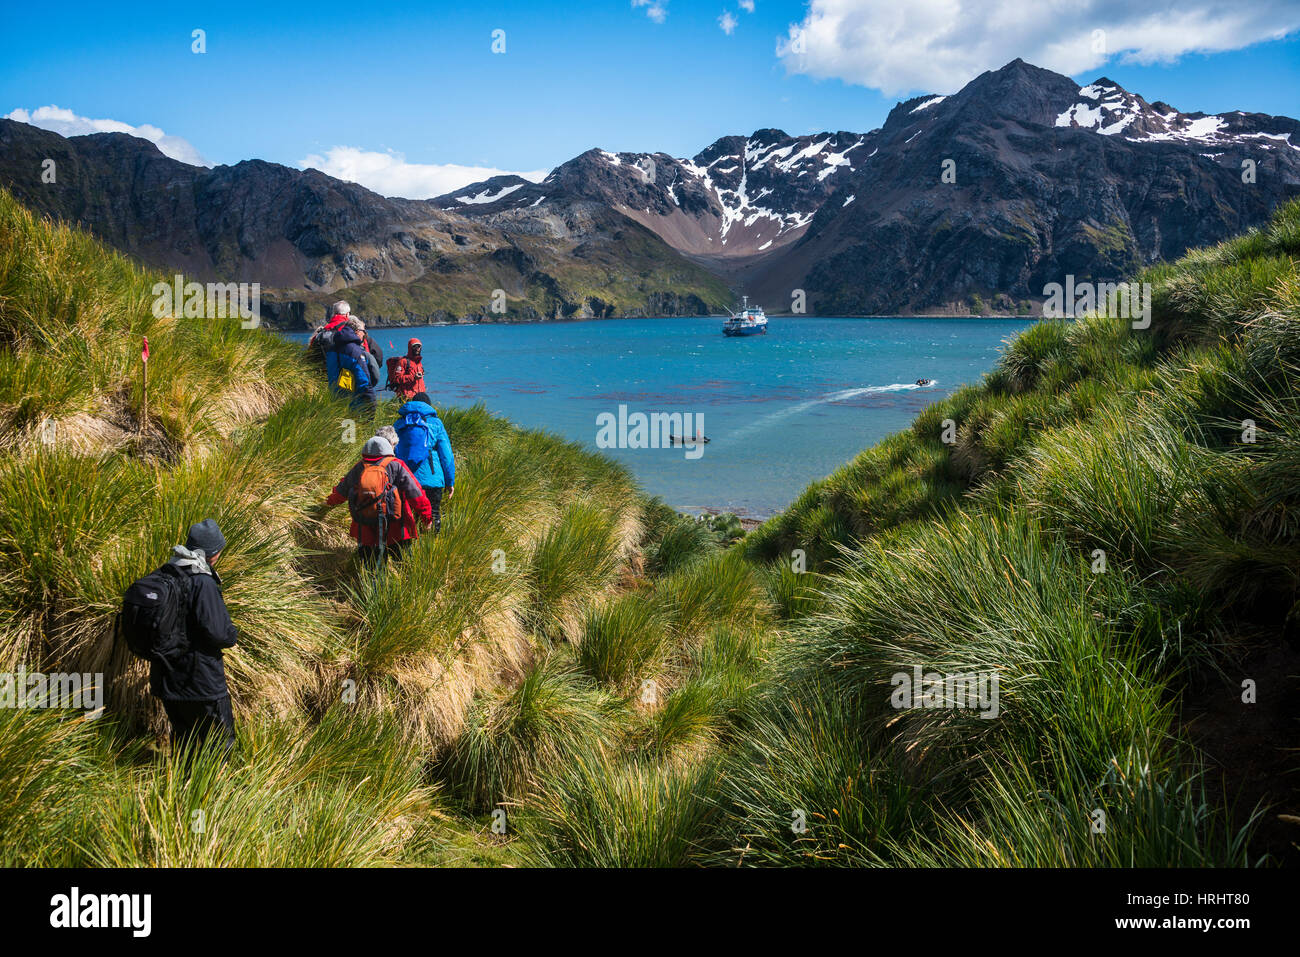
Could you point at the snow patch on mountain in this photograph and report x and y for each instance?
(487, 196)
(1110, 110)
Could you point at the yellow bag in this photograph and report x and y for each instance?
(347, 382)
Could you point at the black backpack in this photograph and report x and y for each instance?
(153, 614)
(328, 339)
(321, 343)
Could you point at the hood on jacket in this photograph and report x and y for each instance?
(192, 560)
(414, 349)
(346, 334)
(423, 408)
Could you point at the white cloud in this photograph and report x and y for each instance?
(656, 10)
(66, 123)
(747, 5)
(728, 23)
(389, 174)
(939, 45)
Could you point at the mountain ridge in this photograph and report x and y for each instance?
(1049, 178)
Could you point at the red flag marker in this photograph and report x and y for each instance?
(144, 353)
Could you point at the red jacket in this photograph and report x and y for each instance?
(416, 509)
(406, 375)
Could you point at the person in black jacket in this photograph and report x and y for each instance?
(192, 685)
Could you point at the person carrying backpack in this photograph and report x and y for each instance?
(348, 366)
(176, 618)
(406, 373)
(389, 434)
(386, 502)
(423, 444)
(321, 343)
(370, 351)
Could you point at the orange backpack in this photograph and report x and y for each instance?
(374, 500)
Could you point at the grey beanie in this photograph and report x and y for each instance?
(377, 445)
(207, 536)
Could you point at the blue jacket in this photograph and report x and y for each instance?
(349, 353)
(438, 468)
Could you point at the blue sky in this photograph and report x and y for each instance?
(419, 83)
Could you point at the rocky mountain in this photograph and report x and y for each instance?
(738, 197)
(1046, 178)
(305, 236)
(958, 203)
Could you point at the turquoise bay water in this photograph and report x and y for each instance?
(781, 410)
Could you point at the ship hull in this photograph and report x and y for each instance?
(746, 331)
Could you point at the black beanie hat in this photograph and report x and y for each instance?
(422, 397)
(207, 536)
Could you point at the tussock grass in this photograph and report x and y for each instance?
(721, 590)
(598, 812)
(512, 735)
(574, 561)
(623, 641)
(344, 793)
(49, 768)
(241, 429)
(66, 304)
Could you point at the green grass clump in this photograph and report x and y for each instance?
(599, 812)
(345, 793)
(623, 641)
(512, 735)
(575, 561)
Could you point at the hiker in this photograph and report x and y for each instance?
(322, 338)
(177, 618)
(389, 434)
(386, 502)
(347, 365)
(406, 373)
(424, 445)
(369, 350)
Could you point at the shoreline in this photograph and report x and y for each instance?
(551, 322)
(748, 521)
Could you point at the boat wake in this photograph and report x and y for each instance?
(842, 395)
